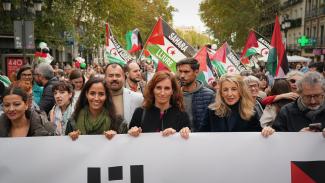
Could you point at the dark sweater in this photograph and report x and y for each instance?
(172, 118)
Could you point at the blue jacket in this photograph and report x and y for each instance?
(201, 99)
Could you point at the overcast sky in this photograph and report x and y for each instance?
(187, 14)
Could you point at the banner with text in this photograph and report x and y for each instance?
(151, 158)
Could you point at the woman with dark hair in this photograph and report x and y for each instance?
(63, 108)
(94, 112)
(233, 109)
(78, 81)
(280, 88)
(163, 108)
(17, 120)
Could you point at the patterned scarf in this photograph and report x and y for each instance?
(310, 114)
(61, 120)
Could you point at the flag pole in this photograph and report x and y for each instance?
(260, 35)
(147, 41)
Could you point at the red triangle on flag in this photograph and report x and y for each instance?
(250, 42)
(299, 176)
(146, 53)
(221, 54)
(201, 57)
(157, 35)
(161, 67)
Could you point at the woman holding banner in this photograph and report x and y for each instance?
(18, 120)
(233, 109)
(163, 108)
(94, 113)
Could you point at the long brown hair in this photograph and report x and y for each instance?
(176, 99)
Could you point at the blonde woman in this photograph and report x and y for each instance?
(233, 109)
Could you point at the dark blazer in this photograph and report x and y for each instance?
(172, 118)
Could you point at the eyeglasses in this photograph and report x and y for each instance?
(292, 81)
(316, 97)
(253, 86)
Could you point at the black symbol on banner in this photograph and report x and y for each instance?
(116, 173)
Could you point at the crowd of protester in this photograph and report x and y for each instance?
(135, 98)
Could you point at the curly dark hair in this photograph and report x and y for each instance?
(176, 99)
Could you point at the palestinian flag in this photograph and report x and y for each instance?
(114, 52)
(225, 60)
(133, 41)
(248, 50)
(277, 62)
(166, 46)
(307, 171)
(207, 73)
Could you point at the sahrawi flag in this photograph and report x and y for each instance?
(133, 41)
(114, 52)
(166, 46)
(277, 62)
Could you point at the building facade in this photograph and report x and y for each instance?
(314, 29)
(292, 11)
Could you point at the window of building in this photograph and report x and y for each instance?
(322, 34)
(314, 35)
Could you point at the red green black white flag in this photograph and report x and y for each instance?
(277, 62)
(133, 41)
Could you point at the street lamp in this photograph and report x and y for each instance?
(24, 7)
(285, 25)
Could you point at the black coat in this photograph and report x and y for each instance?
(292, 119)
(47, 101)
(172, 118)
(231, 123)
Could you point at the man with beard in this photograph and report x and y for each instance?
(134, 78)
(46, 78)
(307, 113)
(197, 97)
(125, 100)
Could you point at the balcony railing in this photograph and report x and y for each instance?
(312, 13)
(290, 3)
(295, 23)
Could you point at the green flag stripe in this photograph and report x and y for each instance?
(272, 61)
(162, 56)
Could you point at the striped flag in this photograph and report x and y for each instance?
(166, 46)
(277, 61)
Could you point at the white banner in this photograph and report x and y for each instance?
(151, 158)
